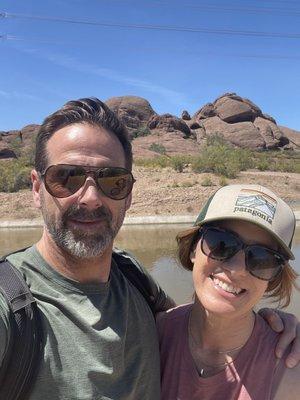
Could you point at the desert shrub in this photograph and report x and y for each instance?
(223, 181)
(141, 131)
(157, 148)
(178, 163)
(16, 146)
(222, 159)
(160, 162)
(206, 181)
(277, 161)
(22, 179)
(187, 184)
(262, 165)
(215, 139)
(14, 176)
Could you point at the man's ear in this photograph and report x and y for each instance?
(36, 187)
(128, 201)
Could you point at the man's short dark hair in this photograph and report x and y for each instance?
(88, 110)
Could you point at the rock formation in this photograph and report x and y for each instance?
(133, 111)
(237, 119)
(240, 122)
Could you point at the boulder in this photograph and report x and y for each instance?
(200, 134)
(6, 153)
(233, 111)
(292, 135)
(230, 108)
(169, 123)
(241, 134)
(133, 111)
(267, 116)
(205, 112)
(195, 125)
(272, 135)
(185, 115)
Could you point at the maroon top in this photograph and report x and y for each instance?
(253, 375)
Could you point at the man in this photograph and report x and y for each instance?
(99, 333)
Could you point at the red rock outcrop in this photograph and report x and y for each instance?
(133, 111)
(169, 123)
(239, 121)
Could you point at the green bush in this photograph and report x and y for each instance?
(178, 163)
(157, 148)
(262, 165)
(14, 176)
(160, 162)
(206, 182)
(277, 161)
(215, 140)
(22, 179)
(223, 181)
(222, 159)
(141, 131)
(16, 146)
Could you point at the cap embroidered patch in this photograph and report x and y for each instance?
(256, 203)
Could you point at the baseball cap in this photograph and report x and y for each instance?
(256, 204)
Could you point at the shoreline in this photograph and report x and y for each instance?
(142, 220)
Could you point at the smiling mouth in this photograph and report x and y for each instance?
(226, 286)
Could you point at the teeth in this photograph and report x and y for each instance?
(226, 286)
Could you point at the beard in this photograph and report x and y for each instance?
(81, 243)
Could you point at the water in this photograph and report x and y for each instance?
(155, 247)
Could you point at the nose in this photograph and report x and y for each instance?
(235, 265)
(90, 196)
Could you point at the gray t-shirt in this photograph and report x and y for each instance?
(100, 339)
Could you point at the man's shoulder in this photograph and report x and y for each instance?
(17, 257)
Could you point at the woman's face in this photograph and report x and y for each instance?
(226, 287)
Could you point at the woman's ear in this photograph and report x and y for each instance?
(193, 255)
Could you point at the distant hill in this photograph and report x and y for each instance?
(238, 120)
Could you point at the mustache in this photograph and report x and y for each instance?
(83, 214)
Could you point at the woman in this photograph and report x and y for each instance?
(217, 348)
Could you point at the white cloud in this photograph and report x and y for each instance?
(18, 95)
(74, 64)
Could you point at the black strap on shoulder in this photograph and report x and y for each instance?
(133, 272)
(21, 361)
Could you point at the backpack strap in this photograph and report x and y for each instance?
(21, 361)
(154, 295)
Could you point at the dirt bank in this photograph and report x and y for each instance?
(167, 192)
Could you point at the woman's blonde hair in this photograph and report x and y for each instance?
(279, 289)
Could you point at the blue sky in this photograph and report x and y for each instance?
(45, 62)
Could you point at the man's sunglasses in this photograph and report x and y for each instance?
(63, 180)
(221, 244)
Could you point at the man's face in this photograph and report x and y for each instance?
(85, 223)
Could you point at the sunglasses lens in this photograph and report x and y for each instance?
(263, 263)
(219, 245)
(64, 180)
(115, 183)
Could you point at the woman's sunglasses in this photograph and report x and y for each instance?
(63, 180)
(221, 244)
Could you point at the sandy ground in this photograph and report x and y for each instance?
(167, 192)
